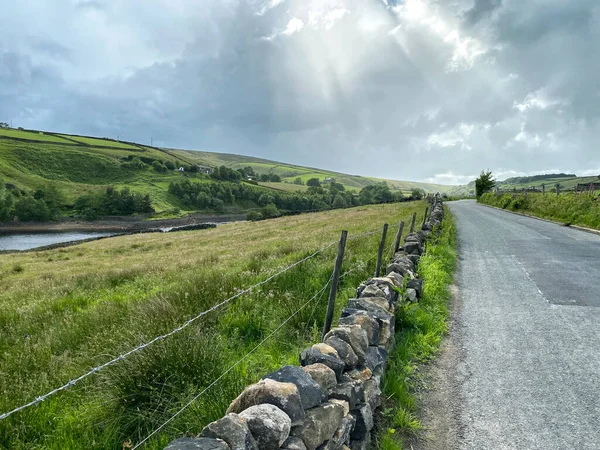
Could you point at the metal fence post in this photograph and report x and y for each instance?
(380, 251)
(334, 283)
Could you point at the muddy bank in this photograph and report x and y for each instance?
(118, 225)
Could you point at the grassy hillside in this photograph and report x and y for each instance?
(64, 311)
(566, 181)
(289, 172)
(79, 166)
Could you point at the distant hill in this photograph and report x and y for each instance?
(73, 172)
(289, 172)
(567, 181)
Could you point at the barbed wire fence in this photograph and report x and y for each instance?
(359, 266)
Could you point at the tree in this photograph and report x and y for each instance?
(274, 178)
(299, 181)
(313, 182)
(339, 201)
(417, 194)
(265, 178)
(485, 183)
(170, 165)
(159, 166)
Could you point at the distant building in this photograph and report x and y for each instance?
(328, 180)
(181, 169)
(205, 169)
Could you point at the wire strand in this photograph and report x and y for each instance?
(187, 323)
(188, 404)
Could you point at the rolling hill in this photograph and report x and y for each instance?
(80, 166)
(289, 172)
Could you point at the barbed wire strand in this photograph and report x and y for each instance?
(96, 369)
(243, 358)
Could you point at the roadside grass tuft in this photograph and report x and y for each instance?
(419, 332)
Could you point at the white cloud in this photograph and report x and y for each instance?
(450, 178)
(537, 100)
(459, 135)
(293, 26)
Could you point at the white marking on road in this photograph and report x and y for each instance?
(530, 279)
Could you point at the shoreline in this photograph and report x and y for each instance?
(121, 225)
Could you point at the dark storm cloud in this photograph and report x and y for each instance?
(437, 90)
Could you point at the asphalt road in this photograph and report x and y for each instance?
(526, 329)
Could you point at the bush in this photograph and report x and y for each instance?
(254, 216)
(270, 211)
(159, 166)
(28, 209)
(170, 165)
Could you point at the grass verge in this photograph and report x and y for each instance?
(569, 208)
(419, 331)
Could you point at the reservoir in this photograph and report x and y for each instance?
(30, 241)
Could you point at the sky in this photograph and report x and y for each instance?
(420, 90)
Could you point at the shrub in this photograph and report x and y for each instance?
(254, 216)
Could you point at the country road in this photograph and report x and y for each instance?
(521, 368)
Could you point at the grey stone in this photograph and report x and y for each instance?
(417, 285)
(197, 444)
(344, 351)
(360, 374)
(319, 425)
(341, 436)
(361, 444)
(370, 290)
(415, 259)
(410, 295)
(352, 392)
(373, 392)
(366, 304)
(364, 421)
(310, 392)
(355, 336)
(293, 443)
(413, 248)
(311, 356)
(323, 375)
(269, 425)
(366, 322)
(281, 394)
(377, 359)
(233, 430)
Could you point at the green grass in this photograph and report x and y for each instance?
(419, 331)
(287, 187)
(289, 172)
(64, 311)
(570, 208)
(566, 183)
(96, 142)
(31, 135)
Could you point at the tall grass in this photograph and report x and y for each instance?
(570, 208)
(71, 309)
(419, 331)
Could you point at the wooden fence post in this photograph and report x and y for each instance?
(334, 283)
(412, 223)
(380, 251)
(398, 236)
(425, 217)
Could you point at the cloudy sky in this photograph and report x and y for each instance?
(414, 89)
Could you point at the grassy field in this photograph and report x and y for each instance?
(421, 328)
(36, 136)
(95, 142)
(565, 182)
(289, 172)
(64, 311)
(570, 208)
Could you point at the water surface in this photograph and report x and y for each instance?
(28, 241)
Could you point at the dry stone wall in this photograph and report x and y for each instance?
(328, 402)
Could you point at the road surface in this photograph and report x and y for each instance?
(523, 370)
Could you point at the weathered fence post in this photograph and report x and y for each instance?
(380, 251)
(334, 283)
(398, 236)
(425, 217)
(412, 223)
